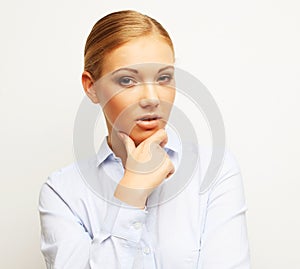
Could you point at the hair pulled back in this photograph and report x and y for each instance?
(114, 30)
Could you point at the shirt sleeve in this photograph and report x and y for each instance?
(66, 242)
(224, 242)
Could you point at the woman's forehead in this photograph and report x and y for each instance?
(139, 51)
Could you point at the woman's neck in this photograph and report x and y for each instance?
(117, 146)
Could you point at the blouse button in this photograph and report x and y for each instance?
(146, 250)
(137, 225)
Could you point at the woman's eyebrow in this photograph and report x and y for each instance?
(136, 71)
(127, 69)
(166, 67)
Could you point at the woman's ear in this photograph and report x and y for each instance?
(88, 85)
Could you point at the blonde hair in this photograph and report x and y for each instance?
(114, 30)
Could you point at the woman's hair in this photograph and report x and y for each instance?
(114, 30)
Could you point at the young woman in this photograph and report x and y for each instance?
(129, 71)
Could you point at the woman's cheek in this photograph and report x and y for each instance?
(118, 117)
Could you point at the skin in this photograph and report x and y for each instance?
(129, 91)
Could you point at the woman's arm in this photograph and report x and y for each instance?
(224, 243)
(66, 242)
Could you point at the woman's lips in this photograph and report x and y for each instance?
(148, 123)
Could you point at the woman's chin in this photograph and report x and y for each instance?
(139, 136)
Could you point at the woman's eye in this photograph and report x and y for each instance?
(164, 79)
(126, 81)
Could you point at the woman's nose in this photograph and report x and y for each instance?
(149, 96)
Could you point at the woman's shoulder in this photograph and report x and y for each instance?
(70, 178)
(217, 165)
(223, 156)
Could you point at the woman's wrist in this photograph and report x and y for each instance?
(130, 195)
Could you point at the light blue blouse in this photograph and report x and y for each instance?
(81, 229)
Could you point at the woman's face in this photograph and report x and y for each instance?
(137, 89)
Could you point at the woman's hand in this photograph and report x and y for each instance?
(147, 165)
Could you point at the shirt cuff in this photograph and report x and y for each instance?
(125, 221)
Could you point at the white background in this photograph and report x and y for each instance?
(245, 52)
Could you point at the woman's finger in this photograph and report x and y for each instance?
(128, 142)
(159, 137)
